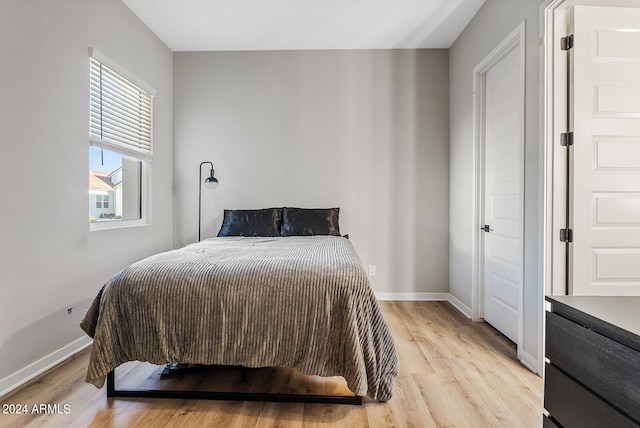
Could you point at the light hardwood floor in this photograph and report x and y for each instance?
(453, 373)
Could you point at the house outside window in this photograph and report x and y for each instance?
(115, 194)
(120, 149)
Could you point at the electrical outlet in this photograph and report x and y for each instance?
(372, 270)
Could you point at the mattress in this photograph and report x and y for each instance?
(302, 302)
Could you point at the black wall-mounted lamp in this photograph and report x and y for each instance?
(210, 183)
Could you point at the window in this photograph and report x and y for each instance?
(102, 201)
(120, 146)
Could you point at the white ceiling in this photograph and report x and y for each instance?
(225, 25)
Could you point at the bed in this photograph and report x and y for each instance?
(250, 301)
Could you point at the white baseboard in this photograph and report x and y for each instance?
(446, 297)
(529, 361)
(464, 309)
(27, 373)
(413, 296)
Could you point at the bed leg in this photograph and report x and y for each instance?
(111, 383)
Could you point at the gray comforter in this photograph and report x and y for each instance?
(298, 302)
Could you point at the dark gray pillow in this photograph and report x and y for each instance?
(264, 222)
(310, 221)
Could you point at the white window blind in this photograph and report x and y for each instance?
(120, 113)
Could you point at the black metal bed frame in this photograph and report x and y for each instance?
(231, 396)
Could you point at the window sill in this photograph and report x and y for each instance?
(117, 224)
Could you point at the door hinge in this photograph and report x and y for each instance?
(566, 235)
(566, 43)
(566, 139)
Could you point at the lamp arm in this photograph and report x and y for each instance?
(206, 162)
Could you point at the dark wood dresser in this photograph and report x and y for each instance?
(592, 374)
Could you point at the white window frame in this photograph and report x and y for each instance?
(144, 158)
(101, 199)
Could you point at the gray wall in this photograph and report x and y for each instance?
(49, 260)
(363, 130)
(495, 20)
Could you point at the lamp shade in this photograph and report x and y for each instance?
(211, 182)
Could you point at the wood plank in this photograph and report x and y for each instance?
(453, 372)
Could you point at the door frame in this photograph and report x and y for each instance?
(515, 40)
(554, 121)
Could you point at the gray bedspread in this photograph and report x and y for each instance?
(298, 302)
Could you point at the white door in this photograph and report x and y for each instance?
(605, 178)
(503, 193)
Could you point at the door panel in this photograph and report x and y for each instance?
(503, 109)
(605, 179)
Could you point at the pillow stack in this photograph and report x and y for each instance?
(281, 222)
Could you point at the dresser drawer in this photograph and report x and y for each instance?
(547, 422)
(574, 406)
(608, 368)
